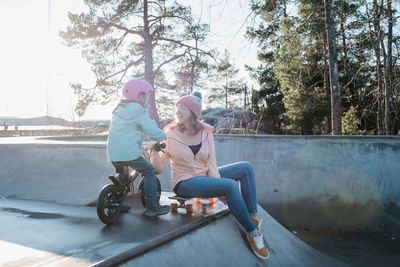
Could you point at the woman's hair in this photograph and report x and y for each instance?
(195, 125)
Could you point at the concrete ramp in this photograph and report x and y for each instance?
(222, 243)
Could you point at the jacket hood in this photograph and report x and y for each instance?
(171, 132)
(129, 111)
(173, 125)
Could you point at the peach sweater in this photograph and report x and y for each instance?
(184, 165)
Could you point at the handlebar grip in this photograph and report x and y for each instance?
(159, 147)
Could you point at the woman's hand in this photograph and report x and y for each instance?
(156, 146)
(223, 199)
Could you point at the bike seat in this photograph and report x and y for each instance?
(122, 169)
(116, 179)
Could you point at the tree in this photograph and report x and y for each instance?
(351, 123)
(267, 101)
(333, 70)
(388, 70)
(225, 82)
(294, 46)
(300, 75)
(124, 39)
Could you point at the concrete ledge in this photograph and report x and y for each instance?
(327, 182)
(102, 137)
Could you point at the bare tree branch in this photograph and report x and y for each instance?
(168, 61)
(182, 44)
(125, 69)
(126, 29)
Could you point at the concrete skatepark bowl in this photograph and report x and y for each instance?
(47, 186)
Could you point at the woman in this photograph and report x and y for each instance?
(190, 148)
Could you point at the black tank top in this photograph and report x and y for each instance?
(195, 149)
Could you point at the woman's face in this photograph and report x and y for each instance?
(182, 114)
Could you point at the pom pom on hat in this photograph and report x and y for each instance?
(192, 102)
(198, 94)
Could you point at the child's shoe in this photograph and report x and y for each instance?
(153, 208)
(256, 222)
(257, 245)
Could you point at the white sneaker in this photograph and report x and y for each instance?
(257, 245)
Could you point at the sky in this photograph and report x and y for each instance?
(36, 68)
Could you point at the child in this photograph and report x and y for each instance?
(129, 122)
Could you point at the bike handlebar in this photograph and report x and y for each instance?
(159, 147)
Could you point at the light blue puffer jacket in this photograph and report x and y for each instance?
(129, 123)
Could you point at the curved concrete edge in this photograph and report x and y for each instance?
(222, 243)
(71, 176)
(157, 242)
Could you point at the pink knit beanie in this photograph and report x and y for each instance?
(192, 102)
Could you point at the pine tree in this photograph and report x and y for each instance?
(351, 122)
(125, 39)
(226, 84)
(267, 101)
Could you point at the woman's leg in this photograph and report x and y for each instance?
(206, 187)
(244, 173)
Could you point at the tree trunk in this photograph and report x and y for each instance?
(333, 70)
(342, 32)
(284, 9)
(194, 62)
(327, 83)
(148, 63)
(192, 71)
(245, 98)
(226, 92)
(376, 43)
(388, 70)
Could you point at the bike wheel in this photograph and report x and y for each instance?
(108, 206)
(143, 194)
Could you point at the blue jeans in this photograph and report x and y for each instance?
(149, 175)
(241, 203)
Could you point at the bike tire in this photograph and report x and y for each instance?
(143, 194)
(108, 206)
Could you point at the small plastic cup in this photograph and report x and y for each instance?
(189, 208)
(211, 200)
(174, 206)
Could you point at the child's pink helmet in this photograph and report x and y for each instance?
(133, 88)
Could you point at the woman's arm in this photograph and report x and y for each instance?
(159, 160)
(212, 162)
